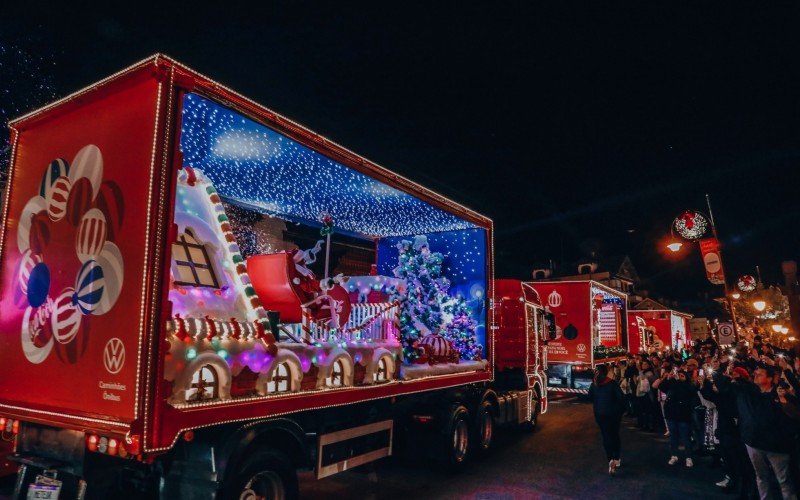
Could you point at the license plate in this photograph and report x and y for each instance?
(44, 488)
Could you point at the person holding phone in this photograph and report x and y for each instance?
(682, 398)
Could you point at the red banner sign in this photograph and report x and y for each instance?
(709, 248)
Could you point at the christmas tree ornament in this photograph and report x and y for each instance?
(91, 235)
(80, 200)
(110, 202)
(746, 283)
(38, 284)
(57, 197)
(34, 206)
(691, 225)
(27, 263)
(32, 352)
(65, 318)
(57, 168)
(39, 236)
(89, 286)
(110, 261)
(88, 164)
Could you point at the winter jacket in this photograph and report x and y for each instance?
(607, 398)
(762, 421)
(681, 400)
(726, 407)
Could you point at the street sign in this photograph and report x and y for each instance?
(725, 333)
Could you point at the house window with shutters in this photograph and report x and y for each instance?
(192, 264)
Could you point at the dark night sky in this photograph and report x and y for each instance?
(568, 124)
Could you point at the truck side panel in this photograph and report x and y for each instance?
(569, 303)
(73, 256)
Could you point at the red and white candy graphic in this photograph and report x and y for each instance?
(26, 265)
(91, 235)
(34, 206)
(34, 353)
(110, 260)
(57, 197)
(65, 318)
(88, 163)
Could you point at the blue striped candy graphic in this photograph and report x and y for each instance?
(89, 287)
(57, 168)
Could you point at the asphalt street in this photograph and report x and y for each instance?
(563, 458)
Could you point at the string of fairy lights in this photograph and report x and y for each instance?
(256, 166)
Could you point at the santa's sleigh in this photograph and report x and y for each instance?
(312, 313)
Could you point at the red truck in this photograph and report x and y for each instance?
(591, 329)
(200, 297)
(658, 329)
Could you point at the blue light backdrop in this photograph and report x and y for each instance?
(256, 166)
(464, 265)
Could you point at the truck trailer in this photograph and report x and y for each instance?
(591, 329)
(201, 297)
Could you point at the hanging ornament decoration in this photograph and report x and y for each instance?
(327, 225)
(66, 197)
(746, 283)
(691, 225)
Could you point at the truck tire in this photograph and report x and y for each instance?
(484, 428)
(455, 444)
(536, 399)
(267, 474)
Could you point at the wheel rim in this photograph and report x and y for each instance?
(460, 440)
(487, 429)
(264, 486)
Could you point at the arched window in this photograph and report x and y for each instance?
(192, 264)
(280, 379)
(539, 275)
(382, 371)
(205, 385)
(585, 269)
(336, 378)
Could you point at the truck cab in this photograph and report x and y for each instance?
(523, 328)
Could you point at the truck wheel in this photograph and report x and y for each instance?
(266, 475)
(456, 441)
(484, 428)
(530, 425)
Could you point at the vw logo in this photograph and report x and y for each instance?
(581, 348)
(114, 355)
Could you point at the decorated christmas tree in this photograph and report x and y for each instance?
(422, 295)
(461, 331)
(426, 308)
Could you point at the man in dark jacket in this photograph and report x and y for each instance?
(766, 431)
(681, 399)
(609, 404)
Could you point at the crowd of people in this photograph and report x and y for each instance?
(738, 404)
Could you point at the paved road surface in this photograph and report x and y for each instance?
(562, 459)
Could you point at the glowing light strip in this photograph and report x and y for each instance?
(87, 89)
(147, 251)
(65, 415)
(314, 408)
(11, 169)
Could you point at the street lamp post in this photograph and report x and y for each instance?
(724, 279)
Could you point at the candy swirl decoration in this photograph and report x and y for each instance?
(57, 168)
(33, 353)
(746, 283)
(691, 225)
(89, 286)
(65, 318)
(73, 194)
(91, 235)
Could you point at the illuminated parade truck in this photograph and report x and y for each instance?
(591, 321)
(658, 328)
(201, 297)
